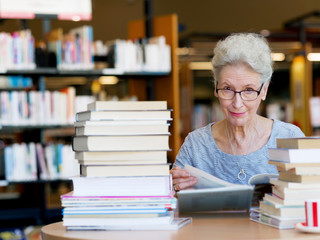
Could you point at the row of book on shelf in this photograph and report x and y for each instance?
(15, 82)
(298, 163)
(40, 107)
(76, 50)
(140, 55)
(124, 180)
(17, 50)
(33, 161)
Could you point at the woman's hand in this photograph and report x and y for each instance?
(182, 179)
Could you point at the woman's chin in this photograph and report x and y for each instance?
(238, 121)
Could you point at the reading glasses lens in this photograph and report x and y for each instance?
(245, 95)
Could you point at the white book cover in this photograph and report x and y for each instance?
(9, 163)
(50, 157)
(48, 114)
(33, 106)
(41, 109)
(14, 100)
(32, 161)
(5, 108)
(23, 108)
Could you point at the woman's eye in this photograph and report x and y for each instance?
(249, 89)
(226, 88)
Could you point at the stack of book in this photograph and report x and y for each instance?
(125, 181)
(298, 163)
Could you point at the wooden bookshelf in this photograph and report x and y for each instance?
(301, 90)
(164, 88)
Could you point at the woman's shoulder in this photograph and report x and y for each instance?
(200, 135)
(284, 129)
(203, 131)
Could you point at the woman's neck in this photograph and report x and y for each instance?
(241, 138)
(241, 133)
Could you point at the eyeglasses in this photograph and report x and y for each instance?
(246, 95)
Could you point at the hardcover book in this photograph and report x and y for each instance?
(299, 143)
(279, 222)
(302, 166)
(295, 185)
(124, 115)
(287, 202)
(287, 193)
(122, 186)
(121, 143)
(127, 105)
(291, 177)
(124, 170)
(282, 211)
(174, 225)
(132, 129)
(294, 155)
(122, 156)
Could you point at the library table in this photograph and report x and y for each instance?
(204, 226)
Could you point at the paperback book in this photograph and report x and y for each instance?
(212, 194)
(121, 143)
(299, 143)
(108, 115)
(122, 186)
(142, 170)
(127, 105)
(263, 217)
(294, 155)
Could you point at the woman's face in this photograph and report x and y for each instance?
(240, 77)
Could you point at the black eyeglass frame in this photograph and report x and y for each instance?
(235, 92)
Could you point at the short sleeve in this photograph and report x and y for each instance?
(183, 156)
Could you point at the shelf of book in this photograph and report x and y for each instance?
(167, 87)
(166, 83)
(87, 73)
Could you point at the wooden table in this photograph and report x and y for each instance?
(203, 226)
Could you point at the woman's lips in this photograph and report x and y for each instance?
(237, 114)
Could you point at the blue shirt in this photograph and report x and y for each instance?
(200, 150)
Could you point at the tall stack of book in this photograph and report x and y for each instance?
(298, 163)
(125, 181)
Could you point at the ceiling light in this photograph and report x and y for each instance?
(108, 80)
(278, 57)
(314, 57)
(200, 66)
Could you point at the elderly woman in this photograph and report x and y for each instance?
(235, 148)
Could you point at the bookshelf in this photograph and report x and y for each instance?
(44, 209)
(167, 87)
(34, 201)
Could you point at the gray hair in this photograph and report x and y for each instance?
(250, 48)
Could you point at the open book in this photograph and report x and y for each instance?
(213, 194)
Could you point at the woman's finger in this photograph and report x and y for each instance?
(184, 185)
(181, 180)
(179, 172)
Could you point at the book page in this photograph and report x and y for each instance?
(205, 180)
(261, 178)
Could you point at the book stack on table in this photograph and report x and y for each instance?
(125, 181)
(298, 163)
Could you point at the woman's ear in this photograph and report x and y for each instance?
(215, 90)
(215, 93)
(264, 91)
